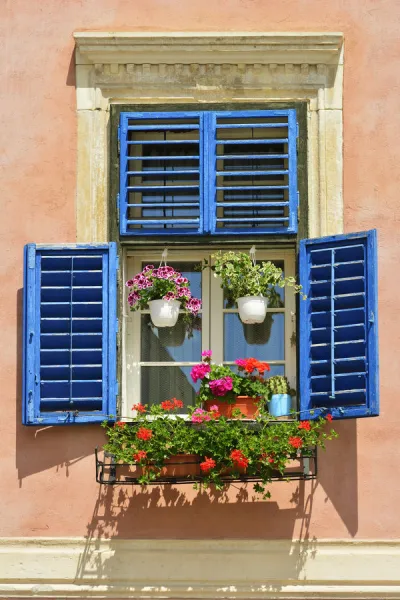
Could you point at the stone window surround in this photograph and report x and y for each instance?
(199, 68)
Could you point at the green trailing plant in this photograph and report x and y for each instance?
(278, 384)
(226, 447)
(241, 276)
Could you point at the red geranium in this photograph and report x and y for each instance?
(171, 404)
(139, 407)
(140, 455)
(305, 425)
(144, 434)
(239, 459)
(296, 442)
(207, 465)
(329, 418)
(119, 424)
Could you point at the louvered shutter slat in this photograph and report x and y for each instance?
(69, 334)
(252, 172)
(338, 326)
(161, 183)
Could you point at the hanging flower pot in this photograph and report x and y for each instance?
(252, 309)
(164, 313)
(164, 291)
(280, 405)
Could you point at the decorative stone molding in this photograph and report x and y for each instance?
(207, 67)
(199, 569)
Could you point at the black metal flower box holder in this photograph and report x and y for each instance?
(110, 472)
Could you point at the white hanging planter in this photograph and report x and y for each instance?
(252, 309)
(164, 313)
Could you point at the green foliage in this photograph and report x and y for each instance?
(240, 276)
(264, 446)
(278, 384)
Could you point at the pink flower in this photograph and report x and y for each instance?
(133, 298)
(199, 416)
(193, 305)
(241, 362)
(220, 387)
(148, 268)
(129, 283)
(199, 371)
(207, 353)
(169, 296)
(214, 408)
(182, 291)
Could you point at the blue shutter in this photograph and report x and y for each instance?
(252, 172)
(70, 325)
(338, 326)
(161, 182)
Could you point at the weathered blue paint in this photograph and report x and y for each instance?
(69, 338)
(216, 213)
(339, 368)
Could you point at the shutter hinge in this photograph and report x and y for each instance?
(117, 325)
(31, 257)
(116, 388)
(371, 317)
(117, 263)
(119, 141)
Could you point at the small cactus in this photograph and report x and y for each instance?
(278, 384)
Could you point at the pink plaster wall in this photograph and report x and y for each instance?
(47, 474)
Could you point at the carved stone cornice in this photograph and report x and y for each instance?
(199, 68)
(126, 48)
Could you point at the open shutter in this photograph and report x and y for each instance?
(70, 326)
(338, 326)
(161, 185)
(252, 172)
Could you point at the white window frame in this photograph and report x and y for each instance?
(212, 330)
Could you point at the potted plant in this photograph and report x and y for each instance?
(279, 395)
(165, 291)
(156, 444)
(220, 386)
(249, 283)
(213, 449)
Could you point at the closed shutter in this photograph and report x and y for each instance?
(160, 173)
(252, 178)
(70, 325)
(338, 326)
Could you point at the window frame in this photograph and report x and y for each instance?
(130, 355)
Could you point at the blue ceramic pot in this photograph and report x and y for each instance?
(280, 405)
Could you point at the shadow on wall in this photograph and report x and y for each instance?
(168, 513)
(41, 448)
(163, 512)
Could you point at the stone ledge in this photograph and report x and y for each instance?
(172, 569)
(208, 48)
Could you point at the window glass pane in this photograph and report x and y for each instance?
(170, 344)
(278, 299)
(163, 383)
(265, 341)
(190, 270)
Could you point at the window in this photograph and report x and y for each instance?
(197, 173)
(157, 362)
(200, 174)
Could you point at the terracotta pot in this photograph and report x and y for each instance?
(181, 465)
(247, 405)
